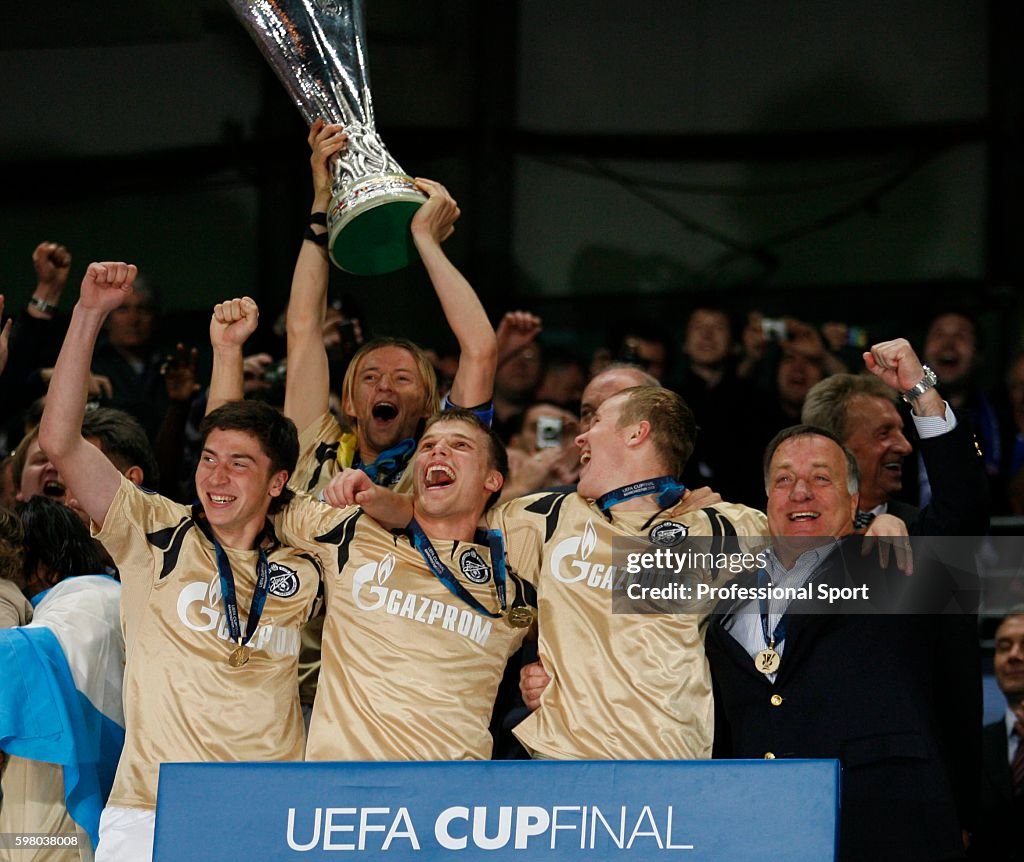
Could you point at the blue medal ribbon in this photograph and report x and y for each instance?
(388, 463)
(444, 575)
(227, 589)
(669, 492)
(779, 635)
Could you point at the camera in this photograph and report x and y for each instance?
(549, 432)
(774, 328)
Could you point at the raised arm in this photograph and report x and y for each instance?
(307, 386)
(88, 473)
(478, 348)
(230, 326)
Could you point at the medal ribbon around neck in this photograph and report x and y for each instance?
(669, 492)
(767, 661)
(445, 576)
(227, 589)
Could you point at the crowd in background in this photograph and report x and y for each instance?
(745, 377)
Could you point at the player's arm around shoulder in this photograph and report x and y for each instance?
(305, 519)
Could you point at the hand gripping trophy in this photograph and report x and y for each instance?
(318, 50)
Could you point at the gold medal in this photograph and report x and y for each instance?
(520, 616)
(239, 656)
(767, 661)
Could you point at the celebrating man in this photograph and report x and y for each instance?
(806, 679)
(204, 680)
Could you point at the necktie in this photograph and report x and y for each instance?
(863, 520)
(1017, 766)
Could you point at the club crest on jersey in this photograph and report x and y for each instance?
(474, 567)
(284, 582)
(668, 533)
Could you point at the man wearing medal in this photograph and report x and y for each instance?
(885, 683)
(622, 686)
(389, 388)
(212, 603)
(420, 621)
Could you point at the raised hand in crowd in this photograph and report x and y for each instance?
(517, 331)
(52, 263)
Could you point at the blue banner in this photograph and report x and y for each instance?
(511, 810)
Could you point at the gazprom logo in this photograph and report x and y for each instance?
(375, 574)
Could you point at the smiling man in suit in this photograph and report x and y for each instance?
(805, 678)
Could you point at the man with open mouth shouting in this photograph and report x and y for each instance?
(420, 621)
(389, 388)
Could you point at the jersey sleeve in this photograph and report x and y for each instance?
(139, 525)
(523, 524)
(305, 520)
(319, 444)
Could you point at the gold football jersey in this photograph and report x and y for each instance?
(623, 686)
(182, 700)
(410, 671)
(319, 443)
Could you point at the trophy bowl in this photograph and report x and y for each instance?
(368, 224)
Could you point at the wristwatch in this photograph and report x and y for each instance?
(42, 305)
(927, 382)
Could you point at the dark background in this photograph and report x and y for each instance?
(858, 161)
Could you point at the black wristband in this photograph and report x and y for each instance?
(319, 238)
(318, 218)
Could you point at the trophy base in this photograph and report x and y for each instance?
(368, 226)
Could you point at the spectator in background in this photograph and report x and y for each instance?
(638, 343)
(951, 350)
(34, 338)
(565, 375)
(128, 359)
(861, 411)
(1000, 833)
(520, 369)
(801, 360)
(725, 407)
(544, 453)
(113, 432)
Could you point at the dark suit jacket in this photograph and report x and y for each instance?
(960, 497)
(896, 699)
(1000, 831)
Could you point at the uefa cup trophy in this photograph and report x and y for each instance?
(318, 50)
